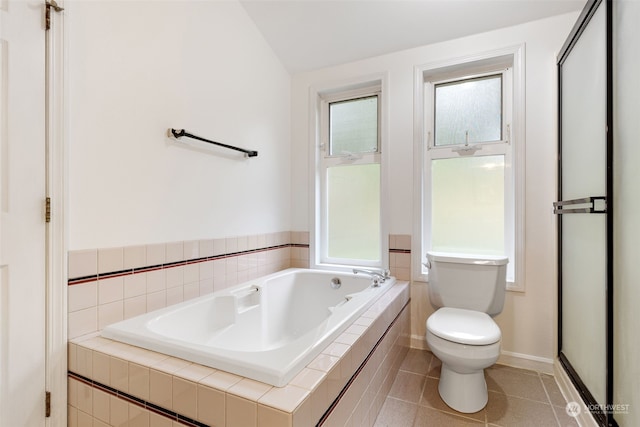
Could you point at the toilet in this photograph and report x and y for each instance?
(467, 290)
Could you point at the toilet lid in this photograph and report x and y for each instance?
(464, 326)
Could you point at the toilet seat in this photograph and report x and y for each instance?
(464, 326)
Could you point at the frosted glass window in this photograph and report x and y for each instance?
(473, 107)
(353, 126)
(468, 212)
(353, 211)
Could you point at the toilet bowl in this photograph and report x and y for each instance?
(466, 342)
(467, 291)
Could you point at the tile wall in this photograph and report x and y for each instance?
(113, 284)
(400, 256)
(109, 285)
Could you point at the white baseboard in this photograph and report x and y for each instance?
(526, 361)
(570, 393)
(507, 358)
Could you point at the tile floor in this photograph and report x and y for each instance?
(517, 397)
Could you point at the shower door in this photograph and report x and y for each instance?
(584, 215)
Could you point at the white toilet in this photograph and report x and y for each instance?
(467, 290)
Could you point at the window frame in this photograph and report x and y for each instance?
(322, 160)
(510, 64)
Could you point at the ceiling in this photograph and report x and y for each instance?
(312, 34)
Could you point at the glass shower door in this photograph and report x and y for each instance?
(584, 245)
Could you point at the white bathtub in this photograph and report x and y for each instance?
(266, 329)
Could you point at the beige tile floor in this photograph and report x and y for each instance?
(517, 397)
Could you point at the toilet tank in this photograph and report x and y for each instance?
(474, 282)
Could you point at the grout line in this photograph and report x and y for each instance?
(486, 421)
(546, 392)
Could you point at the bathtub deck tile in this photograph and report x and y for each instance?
(220, 380)
(308, 379)
(170, 365)
(364, 321)
(286, 398)
(195, 372)
(323, 362)
(346, 338)
(356, 330)
(249, 389)
(92, 341)
(115, 348)
(371, 313)
(336, 349)
(145, 357)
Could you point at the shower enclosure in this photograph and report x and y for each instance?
(585, 221)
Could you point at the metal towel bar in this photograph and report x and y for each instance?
(177, 133)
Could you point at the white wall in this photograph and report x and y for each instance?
(626, 207)
(137, 68)
(529, 319)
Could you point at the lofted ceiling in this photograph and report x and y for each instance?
(312, 34)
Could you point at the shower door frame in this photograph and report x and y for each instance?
(604, 418)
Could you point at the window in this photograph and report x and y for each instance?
(348, 203)
(468, 110)
(470, 166)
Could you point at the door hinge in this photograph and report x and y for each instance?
(47, 211)
(48, 5)
(47, 404)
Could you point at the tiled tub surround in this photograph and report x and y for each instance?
(266, 329)
(109, 285)
(111, 383)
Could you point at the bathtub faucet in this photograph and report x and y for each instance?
(377, 276)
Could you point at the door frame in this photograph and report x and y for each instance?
(56, 40)
(606, 418)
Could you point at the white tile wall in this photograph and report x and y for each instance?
(98, 302)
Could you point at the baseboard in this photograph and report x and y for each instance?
(570, 393)
(526, 361)
(507, 358)
(419, 342)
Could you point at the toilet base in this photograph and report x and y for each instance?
(463, 392)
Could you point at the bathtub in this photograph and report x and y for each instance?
(266, 329)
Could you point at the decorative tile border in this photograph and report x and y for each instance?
(400, 256)
(137, 270)
(94, 263)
